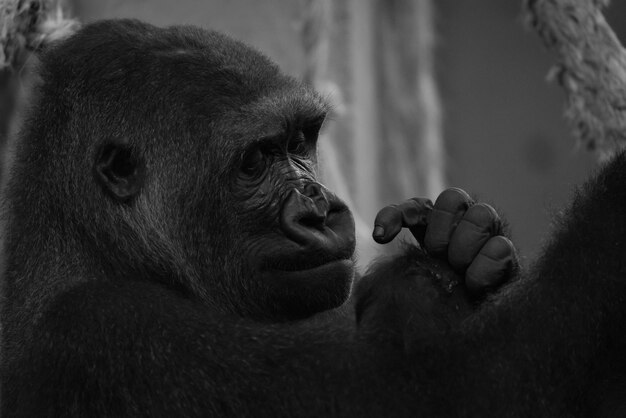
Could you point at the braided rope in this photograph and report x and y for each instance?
(591, 68)
(26, 25)
(315, 38)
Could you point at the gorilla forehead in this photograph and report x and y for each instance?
(131, 79)
(181, 65)
(277, 113)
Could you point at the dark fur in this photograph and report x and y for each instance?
(147, 307)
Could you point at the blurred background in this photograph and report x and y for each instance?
(427, 94)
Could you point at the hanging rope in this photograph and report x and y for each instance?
(315, 39)
(26, 25)
(411, 109)
(591, 68)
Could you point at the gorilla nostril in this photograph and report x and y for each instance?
(313, 190)
(312, 220)
(317, 202)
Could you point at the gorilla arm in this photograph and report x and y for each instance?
(545, 344)
(139, 349)
(554, 333)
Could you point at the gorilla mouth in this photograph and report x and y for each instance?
(303, 263)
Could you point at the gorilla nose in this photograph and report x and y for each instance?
(313, 217)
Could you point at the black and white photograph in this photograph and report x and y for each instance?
(312, 208)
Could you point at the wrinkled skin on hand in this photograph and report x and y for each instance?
(468, 235)
(462, 256)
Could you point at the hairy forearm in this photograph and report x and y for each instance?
(544, 336)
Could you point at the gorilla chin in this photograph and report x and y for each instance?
(300, 293)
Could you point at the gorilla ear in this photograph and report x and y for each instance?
(119, 171)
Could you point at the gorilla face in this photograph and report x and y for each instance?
(230, 162)
(299, 251)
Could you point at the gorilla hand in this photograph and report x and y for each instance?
(467, 234)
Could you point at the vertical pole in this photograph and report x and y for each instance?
(432, 162)
(363, 110)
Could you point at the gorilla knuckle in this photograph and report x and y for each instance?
(493, 265)
(415, 212)
(498, 247)
(483, 216)
(453, 200)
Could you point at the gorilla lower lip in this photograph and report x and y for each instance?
(326, 271)
(303, 266)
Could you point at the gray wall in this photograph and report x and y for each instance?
(506, 138)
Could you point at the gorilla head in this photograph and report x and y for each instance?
(192, 161)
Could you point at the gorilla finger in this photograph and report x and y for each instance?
(412, 214)
(447, 212)
(479, 223)
(415, 212)
(493, 266)
(387, 224)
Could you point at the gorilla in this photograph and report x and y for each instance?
(168, 251)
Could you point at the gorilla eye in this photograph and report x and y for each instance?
(297, 145)
(253, 162)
